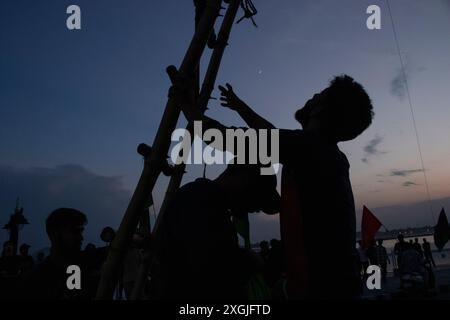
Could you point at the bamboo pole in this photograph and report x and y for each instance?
(177, 176)
(205, 94)
(152, 166)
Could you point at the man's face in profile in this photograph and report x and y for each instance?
(313, 108)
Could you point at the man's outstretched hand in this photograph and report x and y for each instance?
(230, 99)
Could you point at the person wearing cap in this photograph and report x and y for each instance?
(317, 197)
(199, 255)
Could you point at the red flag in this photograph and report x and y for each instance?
(292, 233)
(369, 227)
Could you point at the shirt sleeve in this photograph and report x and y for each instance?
(292, 144)
(220, 142)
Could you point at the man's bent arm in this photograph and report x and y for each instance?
(253, 120)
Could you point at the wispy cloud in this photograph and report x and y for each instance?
(404, 173)
(371, 149)
(398, 85)
(409, 184)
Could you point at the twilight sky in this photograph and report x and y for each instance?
(75, 104)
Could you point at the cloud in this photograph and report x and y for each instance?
(404, 173)
(398, 85)
(41, 190)
(409, 184)
(371, 149)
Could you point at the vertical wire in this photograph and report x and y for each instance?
(412, 111)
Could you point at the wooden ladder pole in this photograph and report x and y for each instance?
(177, 176)
(152, 166)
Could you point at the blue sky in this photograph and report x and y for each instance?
(75, 104)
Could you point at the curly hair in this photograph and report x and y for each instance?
(350, 106)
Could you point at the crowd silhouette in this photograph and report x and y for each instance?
(45, 278)
(412, 262)
(188, 267)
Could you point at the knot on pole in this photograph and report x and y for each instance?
(146, 151)
(249, 11)
(216, 42)
(172, 72)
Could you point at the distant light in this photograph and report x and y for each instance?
(260, 71)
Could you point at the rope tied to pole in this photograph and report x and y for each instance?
(249, 11)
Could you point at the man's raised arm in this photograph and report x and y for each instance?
(232, 101)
